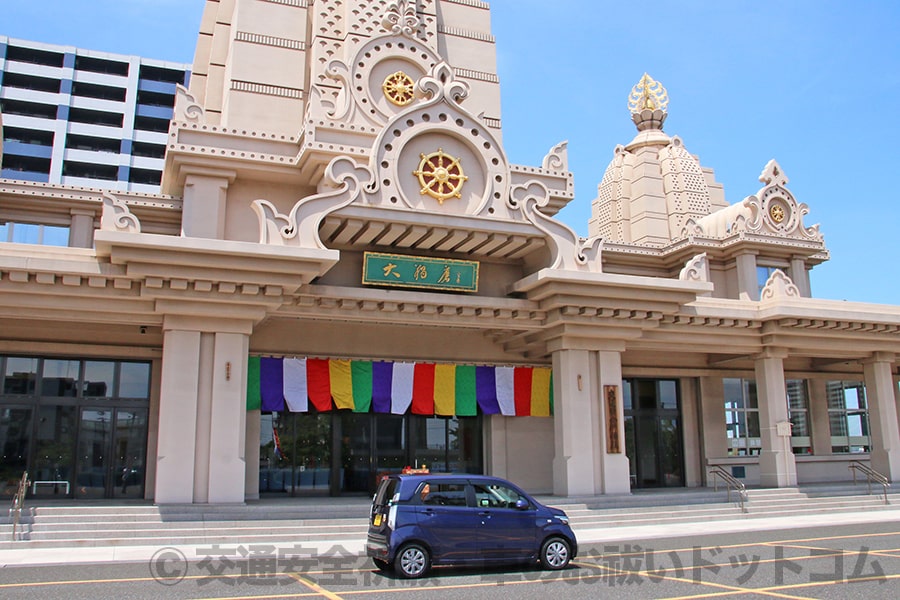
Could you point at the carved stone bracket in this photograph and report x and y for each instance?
(696, 269)
(117, 217)
(340, 186)
(558, 158)
(186, 106)
(567, 250)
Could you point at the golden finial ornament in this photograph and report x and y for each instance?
(648, 94)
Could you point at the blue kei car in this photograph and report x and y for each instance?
(422, 520)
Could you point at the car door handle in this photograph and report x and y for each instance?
(484, 513)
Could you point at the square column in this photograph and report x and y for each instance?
(587, 460)
(777, 465)
(885, 451)
(178, 418)
(201, 455)
(575, 463)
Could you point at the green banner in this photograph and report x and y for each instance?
(420, 272)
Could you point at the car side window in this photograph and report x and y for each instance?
(443, 494)
(495, 496)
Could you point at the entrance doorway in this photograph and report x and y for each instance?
(343, 452)
(78, 426)
(653, 440)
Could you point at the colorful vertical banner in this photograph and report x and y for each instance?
(441, 389)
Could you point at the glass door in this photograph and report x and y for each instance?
(356, 450)
(129, 453)
(15, 428)
(111, 453)
(93, 459)
(54, 456)
(653, 441)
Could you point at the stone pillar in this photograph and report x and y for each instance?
(251, 468)
(777, 466)
(748, 284)
(201, 456)
(177, 417)
(575, 425)
(81, 231)
(615, 477)
(882, 403)
(228, 419)
(583, 462)
(203, 208)
(820, 425)
(800, 277)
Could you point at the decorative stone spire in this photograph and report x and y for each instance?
(647, 103)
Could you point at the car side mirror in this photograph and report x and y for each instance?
(522, 504)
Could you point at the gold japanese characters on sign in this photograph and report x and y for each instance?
(440, 175)
(399, 88)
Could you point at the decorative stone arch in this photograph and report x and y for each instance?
(440, 126)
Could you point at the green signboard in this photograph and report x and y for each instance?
(420, 272)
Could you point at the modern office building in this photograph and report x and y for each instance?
(84, 118)
(344, 275)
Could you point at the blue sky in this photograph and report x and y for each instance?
(810, 83)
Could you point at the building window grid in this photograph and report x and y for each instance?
(848, 417)
(742, 417)
(798, 413)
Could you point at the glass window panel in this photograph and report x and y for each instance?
(98, 378)
(15, 432)
(60, 378)
(20, 377)
(54, 455)
(134, 380)
(626, 394)
(734, 393)
(750, 391)
(646, 394)
(668, 395)
(851, 398)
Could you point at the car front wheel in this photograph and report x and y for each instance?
(412, 561)
(555, 554)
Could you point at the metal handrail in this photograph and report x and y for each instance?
(871, 475)
(731, 483)
(18, 502)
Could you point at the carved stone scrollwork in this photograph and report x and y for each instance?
(116, 216)
(778, 209)
(779, 285)
(340, 186)
(186, 106)
(567, 250)
(558, 158)
(696, 269)
(441, 84)
(401, 18)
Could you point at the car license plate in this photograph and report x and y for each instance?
(377, 520)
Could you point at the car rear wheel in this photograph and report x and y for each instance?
(412, 561)
(382, 565)
(555, 554)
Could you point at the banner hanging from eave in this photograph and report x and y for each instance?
(277, 384)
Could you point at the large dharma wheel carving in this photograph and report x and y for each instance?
(440, 176)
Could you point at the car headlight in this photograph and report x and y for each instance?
(563, 519)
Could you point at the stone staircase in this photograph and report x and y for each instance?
(298, 521)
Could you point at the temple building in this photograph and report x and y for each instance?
(343, 276)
